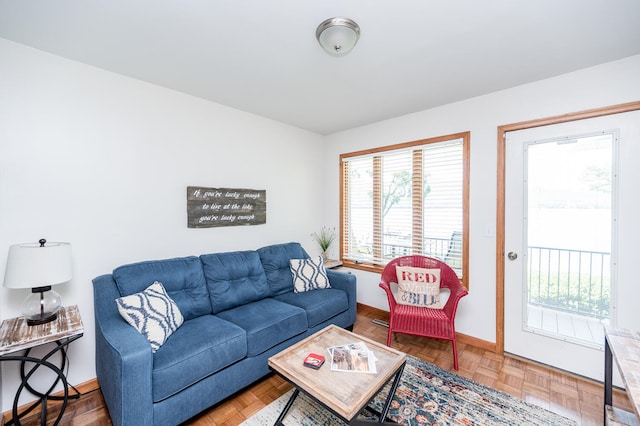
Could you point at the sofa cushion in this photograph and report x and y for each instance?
(308, 274)
(275, 261)
(234, 279)
(267, 323)
(319, 305)
(152, 313)
(182, 278)
(201, 347)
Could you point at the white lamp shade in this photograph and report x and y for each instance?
(30, 265)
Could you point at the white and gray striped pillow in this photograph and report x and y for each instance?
(308, 274)
(152, 312)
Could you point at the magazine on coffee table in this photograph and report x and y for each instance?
(353, 357)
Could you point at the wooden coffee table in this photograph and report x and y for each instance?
(345, 394)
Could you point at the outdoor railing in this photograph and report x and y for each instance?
(573, 281)
(436, 247)
(446, 249)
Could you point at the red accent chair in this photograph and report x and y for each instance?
(420, 321)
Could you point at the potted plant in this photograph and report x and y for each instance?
(324, 238)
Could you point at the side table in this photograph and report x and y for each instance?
(332, 263)
(16, 335)
(623, 346)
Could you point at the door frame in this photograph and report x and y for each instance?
(500, 211)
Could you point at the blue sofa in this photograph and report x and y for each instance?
(239, 309)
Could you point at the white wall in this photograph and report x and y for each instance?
(103, 162)
(608, 84)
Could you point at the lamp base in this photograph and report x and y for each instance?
(41, 306)
(38, 321)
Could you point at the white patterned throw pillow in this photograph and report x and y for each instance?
(308, 274)
(418, 286)
(152, 312)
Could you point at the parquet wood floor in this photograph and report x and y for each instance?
(571, 396)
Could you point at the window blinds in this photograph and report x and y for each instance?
(404, 201)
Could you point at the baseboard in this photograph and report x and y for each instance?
(478, 343)
(83, 388)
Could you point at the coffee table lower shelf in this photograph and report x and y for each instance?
(382, 416)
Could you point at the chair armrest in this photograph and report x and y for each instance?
(347, 283)
(390, 297)
(124, 360)
(451, 306)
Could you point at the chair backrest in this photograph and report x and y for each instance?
(454, 252)
(448, 278)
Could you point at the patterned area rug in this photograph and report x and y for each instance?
(427, 395)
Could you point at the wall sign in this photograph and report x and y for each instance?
(212, 207)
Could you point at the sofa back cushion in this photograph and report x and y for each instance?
(182, 278)
(275, 261)
(234, 279)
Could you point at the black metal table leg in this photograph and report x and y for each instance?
(608, 379)
(392, 391)
(286, 408)
(43, 397)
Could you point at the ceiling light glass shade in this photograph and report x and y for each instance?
(338, 36)
(38, 266)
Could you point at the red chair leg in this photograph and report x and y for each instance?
(389, 336)
(455, 354)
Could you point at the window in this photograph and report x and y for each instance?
(410, 198)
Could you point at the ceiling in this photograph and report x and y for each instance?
(262, 57)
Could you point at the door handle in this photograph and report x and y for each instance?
(512, 255)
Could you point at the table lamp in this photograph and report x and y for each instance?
(39, 266)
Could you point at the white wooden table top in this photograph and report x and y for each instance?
(16, 335)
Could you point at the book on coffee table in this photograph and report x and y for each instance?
(314, 361)
(353, 357)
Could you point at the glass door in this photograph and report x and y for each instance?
(568, 219)
(560, 220)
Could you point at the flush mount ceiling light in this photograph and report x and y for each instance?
(337, 36)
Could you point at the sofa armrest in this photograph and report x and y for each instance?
(124, 360)
(347, 283)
